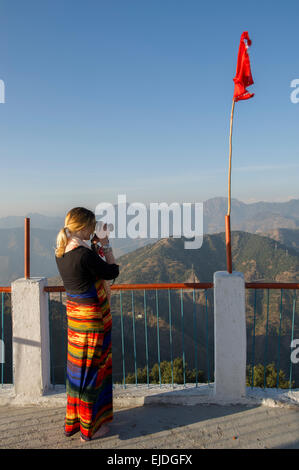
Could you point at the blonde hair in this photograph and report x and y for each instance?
(76, 219)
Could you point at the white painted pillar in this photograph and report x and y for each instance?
(31, 342)
(230, 336)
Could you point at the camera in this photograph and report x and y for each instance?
(101, 231)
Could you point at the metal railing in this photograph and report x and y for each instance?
(6, 376)
(254, 350)
(260, 338)
(271, 318)
(276, 330)
(140, 313)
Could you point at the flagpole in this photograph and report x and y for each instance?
(227, 217)
(230, 156)
(242, 80)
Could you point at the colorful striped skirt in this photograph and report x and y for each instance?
(89, 362)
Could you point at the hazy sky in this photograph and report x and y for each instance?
(134, 97)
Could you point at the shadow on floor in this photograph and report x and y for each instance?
(151, 419)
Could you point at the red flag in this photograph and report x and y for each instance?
(243, 76)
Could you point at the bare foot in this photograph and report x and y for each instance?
(104, 429)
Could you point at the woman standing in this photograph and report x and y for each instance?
(89, 355)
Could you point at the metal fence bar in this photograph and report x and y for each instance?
(292, 337)
(2, 354)
(266, 342)
(27, 248)
(64, 337)
(253, 341)
(271, 285)
(183, 344)
(279, 335)
(207, 336)
(194, 336)
(51, 343)
(180, 285)
(170, 335)
(6, 369)
(158, 336)
(134, 337)
(122, 339)
(146, 342)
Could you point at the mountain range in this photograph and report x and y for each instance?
(253, 217)
(279, 221)
(260, 258)
(269, 256)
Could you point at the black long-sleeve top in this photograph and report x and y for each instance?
(81, 267)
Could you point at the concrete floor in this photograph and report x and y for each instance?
(158, 427)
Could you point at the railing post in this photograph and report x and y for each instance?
(27, 248)
(230, 336)
(30, 330)
(228, 244)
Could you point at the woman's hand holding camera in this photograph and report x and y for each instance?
(105, 247)
(104, 241)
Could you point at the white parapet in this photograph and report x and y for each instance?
(30, 327)
(230, 336)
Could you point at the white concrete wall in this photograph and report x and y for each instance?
(31, 342)
(230, 336)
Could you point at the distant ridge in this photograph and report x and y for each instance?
(288, 237)
(258, 257)
(255, 217)
(277, 221)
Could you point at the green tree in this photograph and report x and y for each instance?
(141, 376)
(269, 380)
(166, 373)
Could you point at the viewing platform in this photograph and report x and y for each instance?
(154, 417)
(223, 412)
